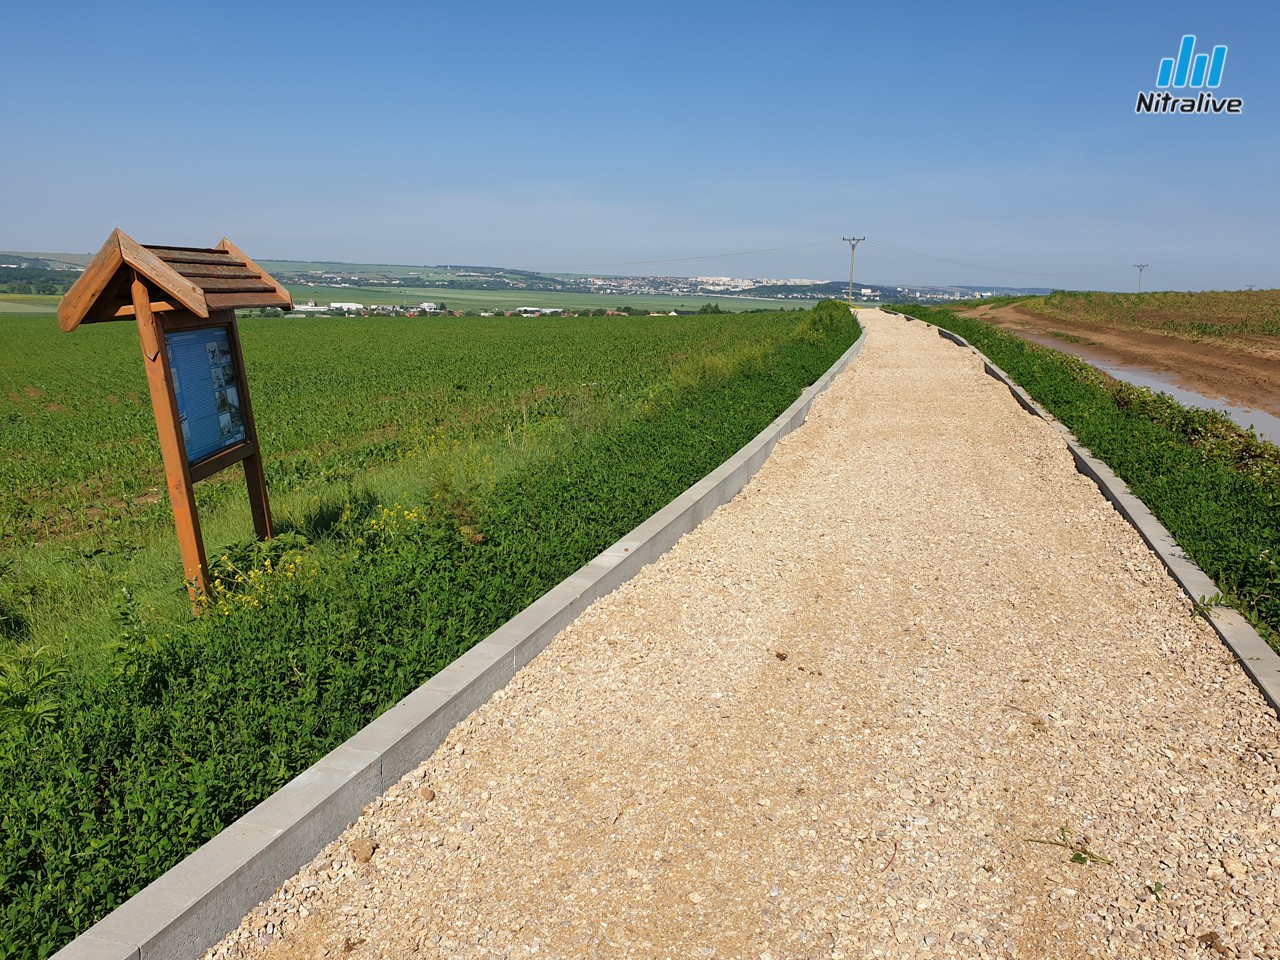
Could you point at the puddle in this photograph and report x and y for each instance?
(1264, 424)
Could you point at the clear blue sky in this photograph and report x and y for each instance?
(597, 138)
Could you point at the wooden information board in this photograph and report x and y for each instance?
(183, 300)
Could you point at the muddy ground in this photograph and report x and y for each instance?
(1244, 371)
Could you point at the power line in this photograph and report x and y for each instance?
(853, 248)
(1141, 267)
(903, 251)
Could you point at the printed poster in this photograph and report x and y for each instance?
(204, 382)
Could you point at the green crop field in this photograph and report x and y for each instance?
(27, 303)
(429, 479)
(358, 269)
(461, 300)
(80, 469)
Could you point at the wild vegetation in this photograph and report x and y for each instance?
(433, 480)
(1214, 485)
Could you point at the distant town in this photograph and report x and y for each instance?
(46, 273)
(758, 288)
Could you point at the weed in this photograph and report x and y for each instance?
(1204, 606)
(29, 679)
(1080, 852)
(13, 601)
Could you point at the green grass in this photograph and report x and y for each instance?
(405, 407)
(1214, 485)
(1067, 337)
(992, 302)
(525, 449)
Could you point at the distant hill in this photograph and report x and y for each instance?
(46, 261)
(478, 278)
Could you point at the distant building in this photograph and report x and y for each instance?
(346, 306)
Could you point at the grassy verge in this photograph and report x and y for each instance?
(1215, 486)
(110, 776)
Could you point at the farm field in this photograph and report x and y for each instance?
(461, 300)
(1232, 314)
(1219, 344)
(441, 398)
(428, 480)
(381, 269)
(27, 303)
(57, 259)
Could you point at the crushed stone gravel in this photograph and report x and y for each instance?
(917, 692)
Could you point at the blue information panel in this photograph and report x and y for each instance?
(204, 382)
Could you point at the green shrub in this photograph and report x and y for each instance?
(830, 314)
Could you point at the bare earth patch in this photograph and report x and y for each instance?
(1243, 370)
(917, 692)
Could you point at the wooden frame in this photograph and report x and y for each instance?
(169, 290)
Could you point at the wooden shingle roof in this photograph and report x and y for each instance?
(177, 278)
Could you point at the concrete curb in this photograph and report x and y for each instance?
(1260, 662)
(198, 901)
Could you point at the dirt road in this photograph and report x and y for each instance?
(917, 692)
(1244, 371)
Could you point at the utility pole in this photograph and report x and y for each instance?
(1141, 267)
(853, 247)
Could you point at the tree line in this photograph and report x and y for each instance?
(35, 280)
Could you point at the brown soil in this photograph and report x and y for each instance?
(1244, 370)
(118, 504)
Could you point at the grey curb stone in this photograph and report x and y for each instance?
(195, 904)
(1260, 662)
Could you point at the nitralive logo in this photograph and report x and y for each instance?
(1189, 70)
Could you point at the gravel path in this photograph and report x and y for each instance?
(880, 705)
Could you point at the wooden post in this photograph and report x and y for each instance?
(177, 470)
(254, 477)
(184, 300)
